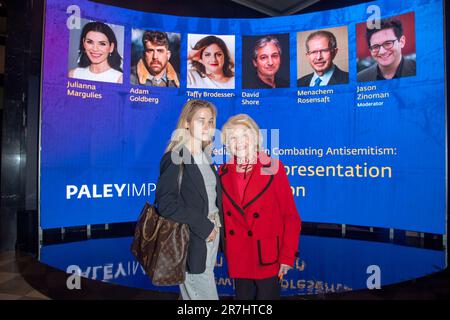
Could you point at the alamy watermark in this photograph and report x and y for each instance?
(374, 280)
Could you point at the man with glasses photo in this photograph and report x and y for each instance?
(321, 49)
(385, 46)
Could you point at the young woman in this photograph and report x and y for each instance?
(262, 225)
(198, 201)
(99, 59)
(212, 66)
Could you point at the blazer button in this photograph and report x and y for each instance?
(250, 233)
(256, 215)
(229, 213)
(231, 232)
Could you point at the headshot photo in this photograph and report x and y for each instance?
(96, 51)
(210, 61)
(265, 62)
(155, 58)
(322, 57)
(387, 50)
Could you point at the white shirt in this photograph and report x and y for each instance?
(110, 75)
(195, 80)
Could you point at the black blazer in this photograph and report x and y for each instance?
(189, 205)
(338, 77)
(408, 69)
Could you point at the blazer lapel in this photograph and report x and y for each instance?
(229, 189)
(219, 194)
(218, 186)
(193, 172)
(257, 185)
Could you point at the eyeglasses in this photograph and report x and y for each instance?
(386, 45)
(322, 52)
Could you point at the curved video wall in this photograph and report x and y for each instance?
(352, 101)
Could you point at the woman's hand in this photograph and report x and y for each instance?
(284, 268)
(195, 55)
(212, 235)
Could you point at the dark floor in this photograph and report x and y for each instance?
(13, 286)
(23, 277)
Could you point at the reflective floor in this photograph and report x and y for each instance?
(328, 267)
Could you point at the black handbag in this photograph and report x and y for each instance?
(160, 245)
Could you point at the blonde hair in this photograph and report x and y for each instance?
(245, 120)
(180, 135)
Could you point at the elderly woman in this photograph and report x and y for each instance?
(262, 225)
(212, 65)
(99, 59)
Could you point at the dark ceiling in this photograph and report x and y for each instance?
(231, 8)
(277, 8)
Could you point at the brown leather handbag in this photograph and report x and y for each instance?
(160, 245)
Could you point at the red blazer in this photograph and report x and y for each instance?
(262, 231)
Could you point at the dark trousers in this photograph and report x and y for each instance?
(262, 289)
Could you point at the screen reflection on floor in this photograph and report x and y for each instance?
(325, 265)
